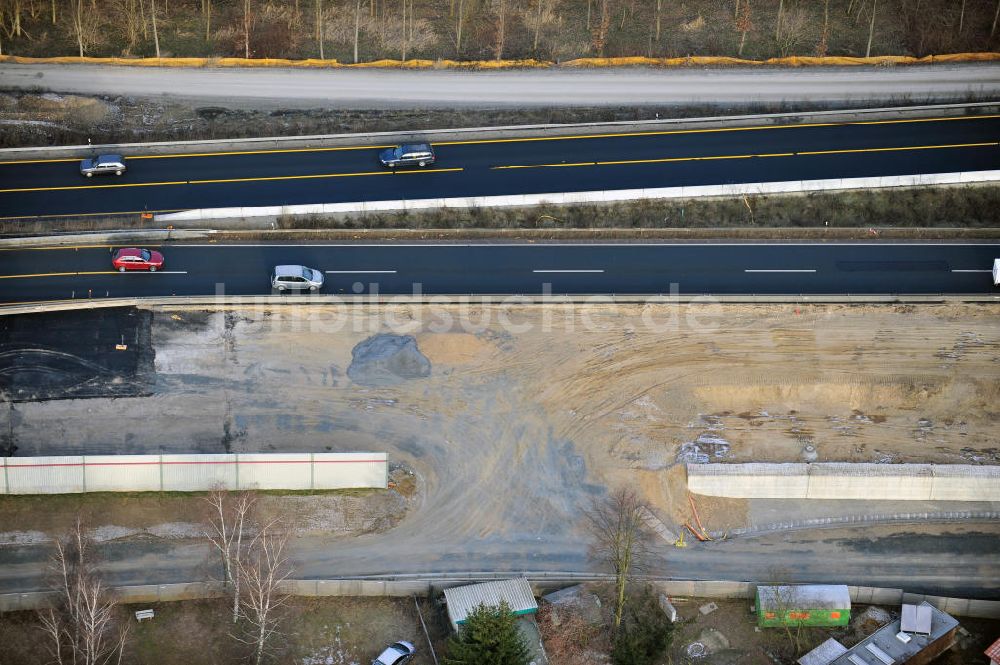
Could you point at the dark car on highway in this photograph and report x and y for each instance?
(408, 154)
(103, 165)
(133, 258)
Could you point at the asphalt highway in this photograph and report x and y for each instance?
(507, 167)
(533, 269)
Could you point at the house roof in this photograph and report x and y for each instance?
(463, 600)
(993, 651)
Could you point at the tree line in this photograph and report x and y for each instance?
(364, 30)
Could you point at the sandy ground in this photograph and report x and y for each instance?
(527, 414)
(443, 89)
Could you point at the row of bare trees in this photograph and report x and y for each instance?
(85, 626)
(271, 28)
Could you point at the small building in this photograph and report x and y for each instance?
(803, 605)
(922, 634)
(462, 600)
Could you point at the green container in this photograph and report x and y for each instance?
(803, 605)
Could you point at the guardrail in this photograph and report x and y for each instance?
(470, 133)
(505, 300)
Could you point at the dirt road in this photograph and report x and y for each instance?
(293, 88)
(514, 418)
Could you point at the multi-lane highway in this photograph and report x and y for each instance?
(649, 268)
(476, 168)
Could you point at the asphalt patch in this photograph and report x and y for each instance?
(76, 354)
(384, 360)
(974, 542)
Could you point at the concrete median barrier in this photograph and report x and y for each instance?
(600, 196)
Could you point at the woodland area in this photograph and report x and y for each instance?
(556, 30)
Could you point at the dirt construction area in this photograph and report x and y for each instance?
(513, 418)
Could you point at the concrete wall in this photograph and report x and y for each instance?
(896, 482)
(432, 585)
(190, 473)
(563, 198)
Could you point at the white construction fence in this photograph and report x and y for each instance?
(192, 473)
(890, 482)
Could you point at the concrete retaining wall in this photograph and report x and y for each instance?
(565, 198)
(895, 482)
(191, 473)
(431, 585)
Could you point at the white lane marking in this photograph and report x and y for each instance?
(360, 272)
(779, 270)
(987, 270)
(567, 271)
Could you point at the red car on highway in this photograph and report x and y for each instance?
(132, 258)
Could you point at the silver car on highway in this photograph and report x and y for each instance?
(102, 165)
(296, 278)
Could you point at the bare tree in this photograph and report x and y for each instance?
(357, 28)
(156, 33)
(744, 24)
(500, 10)
(81, 627)
(996, 16)
(206, 11)
(263, 570)
(231, 515)
(619, 541)
(781, 15)
(961, 18)
(320, 27)
(792, 30)
(871, 30)
(84, 25)
(599, 33)
(247, 25)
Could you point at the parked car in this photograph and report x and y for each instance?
(408, 154)
(103, 165)
(296, 278)
(133, 258)
(996, 272)
(397, 653)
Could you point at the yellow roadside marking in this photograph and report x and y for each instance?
(60, 274)
(261, 152)
(912, 147)
(224, 180)
(712, 130)
(74, 247)
(535, 138)
(89, 214)
(776, 154)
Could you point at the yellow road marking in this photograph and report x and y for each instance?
(776, 154)
(124, 184)
(224, 180)
(537, 138)
(912, 147)
(60, 274)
